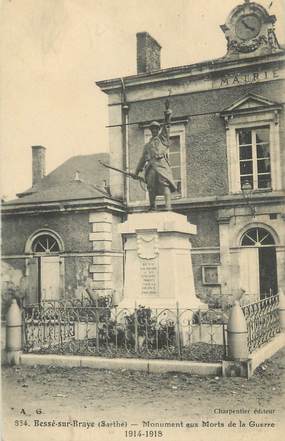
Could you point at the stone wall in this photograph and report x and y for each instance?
(73, 228)
(206, 150)
(92, 252)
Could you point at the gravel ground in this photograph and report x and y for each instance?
(139, 405)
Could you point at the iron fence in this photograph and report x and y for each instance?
(262, 320)
(79, 327)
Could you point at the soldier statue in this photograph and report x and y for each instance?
(155, 162)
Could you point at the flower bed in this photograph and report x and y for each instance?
(140, 333)
(202, 352)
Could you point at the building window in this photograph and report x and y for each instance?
(175, 160)
(254, 157)
(257, 237)
(253, 143)
(45, 244)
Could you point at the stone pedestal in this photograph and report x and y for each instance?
(158, 265)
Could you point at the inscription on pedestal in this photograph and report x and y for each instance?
(149, 277)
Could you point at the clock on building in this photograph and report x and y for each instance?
(249, 28)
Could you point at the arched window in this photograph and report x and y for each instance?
(45, 243)
(257, 237)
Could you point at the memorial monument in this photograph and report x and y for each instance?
(157, 243)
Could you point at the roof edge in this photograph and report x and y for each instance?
(104, 85)
(63, 206)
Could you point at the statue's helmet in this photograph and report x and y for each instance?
(154, 124)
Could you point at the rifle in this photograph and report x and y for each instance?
(128, 174)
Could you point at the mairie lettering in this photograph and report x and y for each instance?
(237, 78)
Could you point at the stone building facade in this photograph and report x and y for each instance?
(227, 152)
(228, 159)
(60, 237)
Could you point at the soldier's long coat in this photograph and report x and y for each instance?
(154, 161)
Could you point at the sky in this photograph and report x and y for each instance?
(53, 51)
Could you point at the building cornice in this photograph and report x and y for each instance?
(203, 69)
(224, 201)
(109, 205)
(104, 204)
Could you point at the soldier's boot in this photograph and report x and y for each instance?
(167, 197)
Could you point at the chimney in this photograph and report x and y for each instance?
(148, 53)
(39, 163)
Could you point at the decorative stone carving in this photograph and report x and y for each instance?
(251, 45)
(147, 245)
(272, 40)
(249, 28)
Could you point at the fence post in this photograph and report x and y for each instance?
(136, 329)
(97, 318)
(178, 331)
(237, 334)
(115, 298)
(282, 310)
(13, 333)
